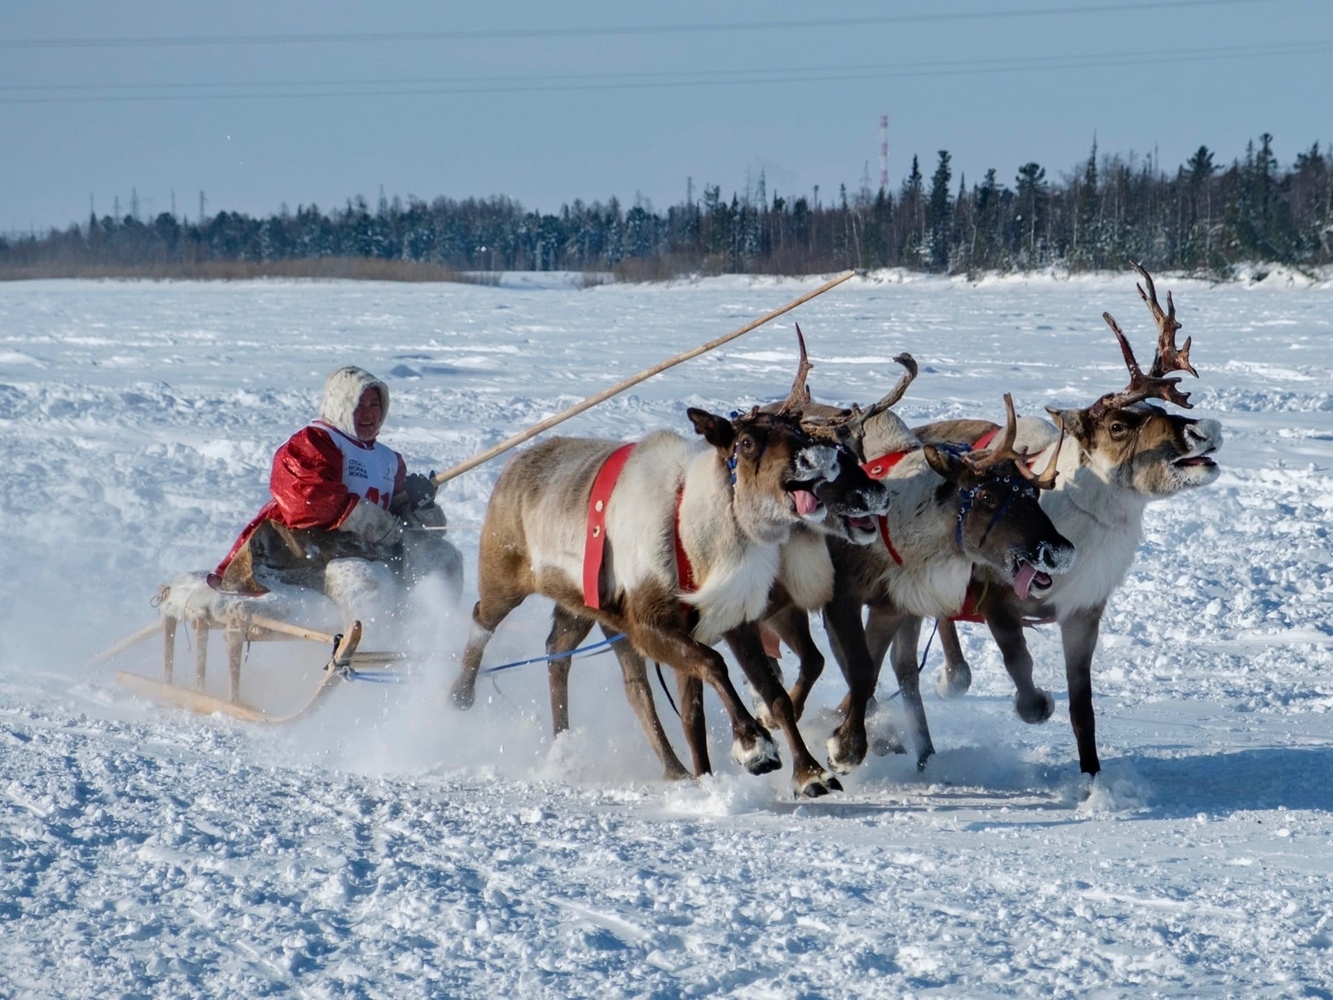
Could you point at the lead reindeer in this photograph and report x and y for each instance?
(1114, 458)
(721, 509)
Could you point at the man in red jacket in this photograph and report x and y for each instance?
(341, 502)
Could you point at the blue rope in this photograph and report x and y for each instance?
(360, 675)
(924, 653)
(553, 656)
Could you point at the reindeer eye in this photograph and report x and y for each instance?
(747, 445)
(1118, 429)
(987, 498)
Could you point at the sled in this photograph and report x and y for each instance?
(243, 620)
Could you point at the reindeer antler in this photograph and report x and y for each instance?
(986, 459)
(799, 394)
(1168, 358)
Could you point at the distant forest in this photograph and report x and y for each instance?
(1203, 218)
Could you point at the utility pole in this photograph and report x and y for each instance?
(201, 208)
(884, 152)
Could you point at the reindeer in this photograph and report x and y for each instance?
(1113, 459)
(950, 510)
(718, 512)
(805, 581)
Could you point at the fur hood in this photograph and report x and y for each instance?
(342, 391)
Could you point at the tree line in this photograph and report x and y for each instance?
(1203, 217)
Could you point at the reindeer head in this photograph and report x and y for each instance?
(853, 498)
(1001, 523)
(776, 468)
(1128, 441)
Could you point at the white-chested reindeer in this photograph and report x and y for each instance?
(1113, 458)
(852, 499)
(724, 507)
(804, 582)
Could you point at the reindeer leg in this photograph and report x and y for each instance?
(690, 691)
(808, 778)
(1079, 635)
(848, 744)
(634, 670)
(567, 631)
(751, 746)
(489, 611)
(1032, 703)
(905, 668)
(955, 676)
(792, 624)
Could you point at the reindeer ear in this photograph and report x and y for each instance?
(947, 462)
(716, 430)
(1072, 422)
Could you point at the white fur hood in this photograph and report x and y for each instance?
(342, 392)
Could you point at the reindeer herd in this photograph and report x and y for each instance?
(736, 535)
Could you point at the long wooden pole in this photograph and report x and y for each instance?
(647, 373)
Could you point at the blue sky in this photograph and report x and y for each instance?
(262, 105)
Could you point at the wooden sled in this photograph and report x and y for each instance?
(242, 620)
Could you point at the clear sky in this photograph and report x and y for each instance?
(265, 104)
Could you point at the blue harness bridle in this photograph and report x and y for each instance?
(1014, 486)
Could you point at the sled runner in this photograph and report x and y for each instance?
(243, 620)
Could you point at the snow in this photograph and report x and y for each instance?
(390, 845)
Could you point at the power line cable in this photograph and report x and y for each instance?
(545, 83)
(804, 24)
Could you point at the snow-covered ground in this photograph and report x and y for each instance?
(391, 846)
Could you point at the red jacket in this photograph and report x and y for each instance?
(307, 486)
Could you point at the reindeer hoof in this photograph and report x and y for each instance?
(760, 757)
(1036, 709)
(846, 751)
(926, 754)
(953, 681)
(815, 785)
(463, 696)
(884, 736)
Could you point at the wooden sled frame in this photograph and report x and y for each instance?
(240, 627)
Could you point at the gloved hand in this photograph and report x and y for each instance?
(420, 490)
(373, 525)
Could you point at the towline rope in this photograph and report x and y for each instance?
(571, 654)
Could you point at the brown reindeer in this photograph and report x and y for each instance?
(950, 510)
(727, 506)
(1113, 457)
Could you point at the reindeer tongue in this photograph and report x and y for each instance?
(806, 502)
(1023, 580)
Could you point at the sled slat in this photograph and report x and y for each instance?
(127, 642)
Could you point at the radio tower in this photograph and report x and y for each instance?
(884, 152)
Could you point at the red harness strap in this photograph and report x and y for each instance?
(595, 539)
(878, 468)
(971, 609)
(985, 440)
(684, 571)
